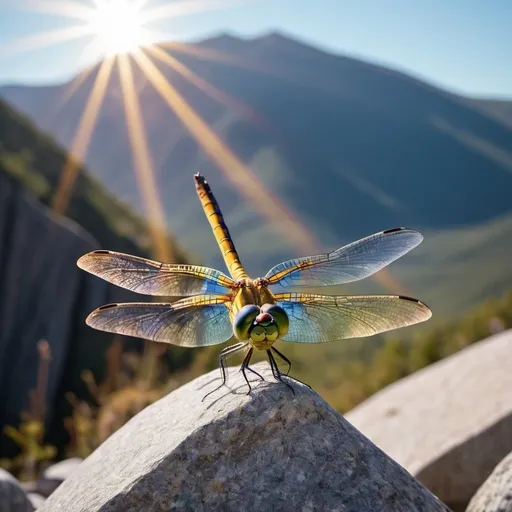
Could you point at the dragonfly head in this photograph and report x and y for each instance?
(254, 323)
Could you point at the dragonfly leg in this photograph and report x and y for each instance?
(275, 371)
(222, 363)
(245, 366)
(253, 371)
(284, 358)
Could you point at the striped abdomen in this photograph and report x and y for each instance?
(220, 230)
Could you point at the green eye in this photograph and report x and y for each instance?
(258, 333)
(244, 320)
(272, 332)
(279, 315)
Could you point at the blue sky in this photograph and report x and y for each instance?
(462, 45)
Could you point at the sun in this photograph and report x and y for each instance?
(117, 26)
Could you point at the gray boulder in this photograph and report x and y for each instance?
(12, 497)
(450, 423)
(495, 495)
(270, 450)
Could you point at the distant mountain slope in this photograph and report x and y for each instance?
(350, 147)
(458, 268)
(500, 109)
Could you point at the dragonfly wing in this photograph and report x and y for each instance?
(192, 322)
(153, 278)
(321, 318)
(350, 263)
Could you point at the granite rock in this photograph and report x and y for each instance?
(495, 494)
(270, 450)
(450, 423)
(12, 496)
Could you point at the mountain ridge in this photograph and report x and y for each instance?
(354, 148)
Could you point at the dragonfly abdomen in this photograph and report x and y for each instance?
(220, 230)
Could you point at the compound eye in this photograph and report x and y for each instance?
(243, 321)
(280, 317)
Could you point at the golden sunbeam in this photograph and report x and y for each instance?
(268, 205)
(143, 165)
(67, 8)
(237, 106)
(42, 39)
(83, 136)
(215, 55)
(305, 79)
(72, 87)
(233, 168)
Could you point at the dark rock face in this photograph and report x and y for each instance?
(43, 294)
(495, 494)
(12, 497)
(271, 450)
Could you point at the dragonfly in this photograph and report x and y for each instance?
(255, 313)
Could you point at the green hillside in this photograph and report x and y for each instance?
(456, 269)
(36, 161)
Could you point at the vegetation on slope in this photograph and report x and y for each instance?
(35, 160)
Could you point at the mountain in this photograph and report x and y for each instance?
(348, 147)
(499, 109)
(43, 294)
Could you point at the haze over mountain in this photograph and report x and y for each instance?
(352, 148)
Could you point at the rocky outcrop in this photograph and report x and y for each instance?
(270, 450)
(12, 496)
(495, 495)
(44, 295)
(448, 424)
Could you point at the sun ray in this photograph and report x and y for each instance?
(69, 90)
(215, 55)
(239, 174)
(81, 140)
(66, 8)
(48, 38)
(215, 93)
(73, 86)
(143, 162)
(233, 168)
(306, 79)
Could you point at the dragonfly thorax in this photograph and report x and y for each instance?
(261, 326)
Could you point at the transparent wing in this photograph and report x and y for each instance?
(192, 322)
(352, 262)
(153, 278)
(321, 318)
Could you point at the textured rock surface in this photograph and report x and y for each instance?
(495, 495)
(449, 424)
(12, 497)
(43, 295)
(267, 451)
